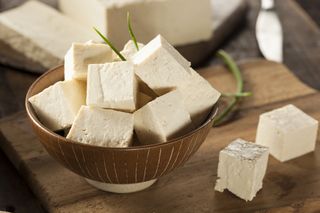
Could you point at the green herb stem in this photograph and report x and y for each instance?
(233, 68)
(239, 95)
(133, 37)
(236, 97)
(110, 44)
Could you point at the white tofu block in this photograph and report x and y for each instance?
(288, 132)
(80, 55)
(180, 21)
(161, 66)
(199, 97)
(40, 33)
(112, 85)
(241, 169)
(102, 127)
(57, 105)
(143, 99)
(128, 51)
(162, 119)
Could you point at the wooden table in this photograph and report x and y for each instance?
(301, 54)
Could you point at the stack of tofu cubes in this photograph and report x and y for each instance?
(286, 133)
(154, 92)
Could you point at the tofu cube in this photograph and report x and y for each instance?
(161, 66)
(162, 119)
(39, 35)
(198, 97)
(112, 85)
(288, 132)
(181, 21)
(102, 127)
(241, 169)
(128, 51)
(80, 55)
(57, 105)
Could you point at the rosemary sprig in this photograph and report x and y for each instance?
(239, 94)
(110, 44)
(133, 37)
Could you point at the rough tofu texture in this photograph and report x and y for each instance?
(80, 55)
(112, 85)
(198, 97)
(161, 66)
(180, 21)
(31, 28)
(288, 132)
(162, 119)
(241, 169)
(102, 127)
(57, 105)
(128, 51)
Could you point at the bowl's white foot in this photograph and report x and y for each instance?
(121, 188)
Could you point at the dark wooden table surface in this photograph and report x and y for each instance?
(301, 55)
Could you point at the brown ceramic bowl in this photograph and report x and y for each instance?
(114, 165)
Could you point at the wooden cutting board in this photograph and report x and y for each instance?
(287, 186)
(226, 17)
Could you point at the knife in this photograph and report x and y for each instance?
(269, 32)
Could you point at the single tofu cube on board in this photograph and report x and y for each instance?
(181, 21)
(80, 55)
(102, 127)
(198, 97)
(161, 66)
(241, 169)
(57, 105)
(162, 119)
(112, 85)
(288, 132)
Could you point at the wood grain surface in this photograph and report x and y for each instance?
(190, 188)
(304, 36)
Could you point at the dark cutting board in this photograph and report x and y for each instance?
(226, 17)
(191, 187)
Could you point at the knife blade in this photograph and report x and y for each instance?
(269, 32)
